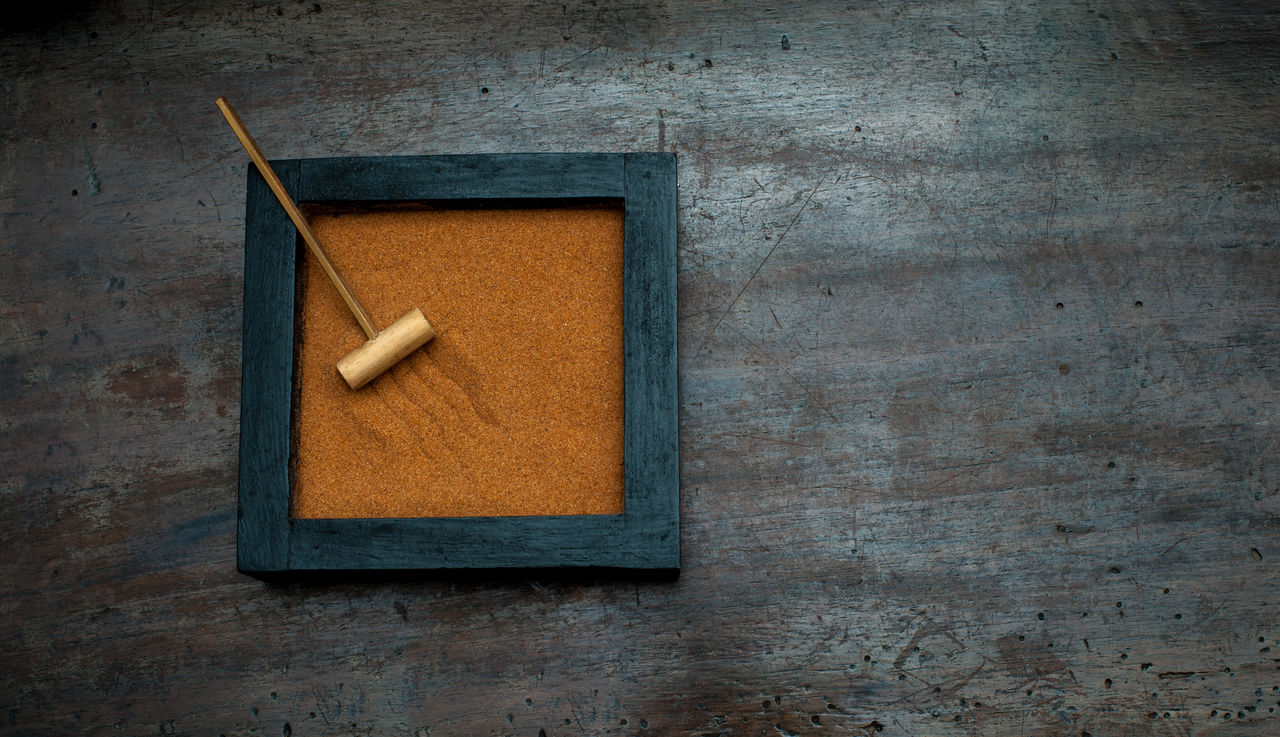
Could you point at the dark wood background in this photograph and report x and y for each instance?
(980, 306)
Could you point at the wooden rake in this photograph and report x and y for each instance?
(384, 348)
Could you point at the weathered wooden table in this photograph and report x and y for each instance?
(980, 310)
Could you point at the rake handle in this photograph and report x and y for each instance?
(273, 181)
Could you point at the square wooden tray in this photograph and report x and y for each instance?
(645, 536)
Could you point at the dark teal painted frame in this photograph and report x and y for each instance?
(645, 537)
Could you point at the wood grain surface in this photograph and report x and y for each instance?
(978, 369)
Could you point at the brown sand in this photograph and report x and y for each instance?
(514, 409)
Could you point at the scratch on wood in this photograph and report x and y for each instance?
(763, 261)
